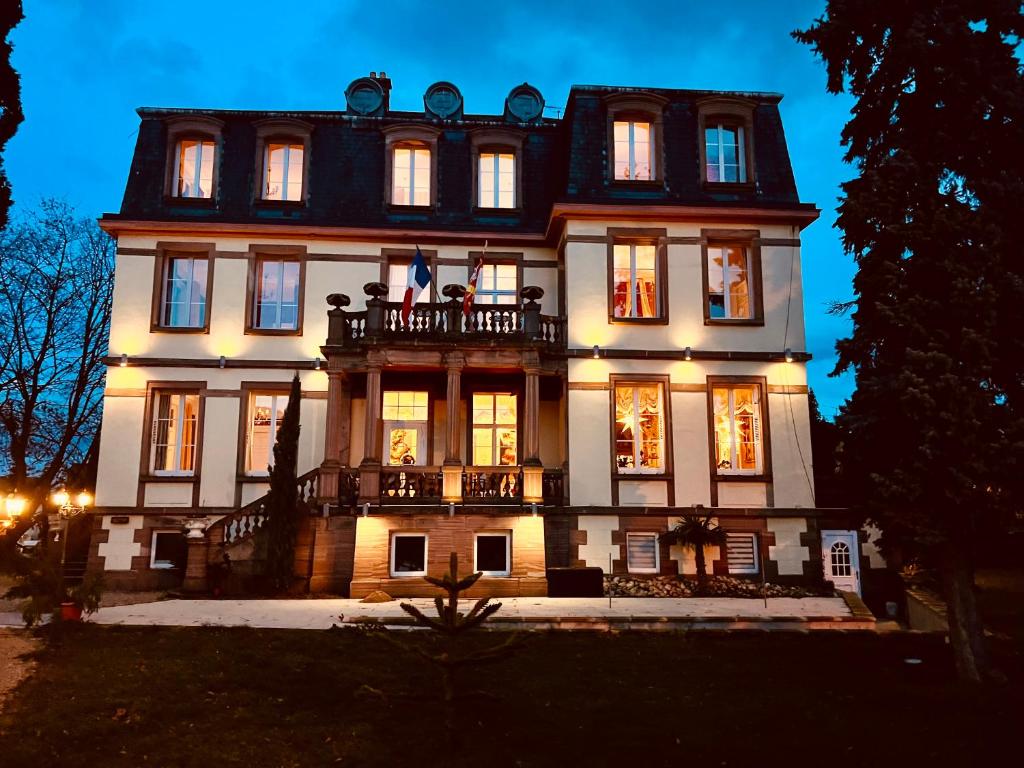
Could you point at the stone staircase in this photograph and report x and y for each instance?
(239, 527)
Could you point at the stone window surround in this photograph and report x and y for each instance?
(730, 110)
(256, 255)
(153, 389)
(164, 252)
(415, 136)
(640, 236)
(504, 140)
(765, 476)
(282, 130)
(750, 240)
(199, 128)
(639, 107)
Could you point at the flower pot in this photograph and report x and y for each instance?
(70, 612)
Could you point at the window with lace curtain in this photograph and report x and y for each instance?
(639, 427)
(739, 445)
(635, 289)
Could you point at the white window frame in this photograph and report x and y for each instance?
(756, 567)
(258, 304)
(495, 156)
(160, 565)
(657, 552)
(165, 299)
(287, 144)
(632, 150)
(508, 552)
(634, 306)
(493, 427)
(412, 150)
(637, 468)
(179, 431)
(726, 295)
(197, 170)
(741, 153)
(395, 536)
(759, 424)
(493, 292)
(274, 424)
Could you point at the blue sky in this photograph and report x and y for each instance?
(87, 64)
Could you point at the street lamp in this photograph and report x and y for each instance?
(68, 507)
(13, 507)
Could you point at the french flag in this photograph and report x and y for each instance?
(415, 284)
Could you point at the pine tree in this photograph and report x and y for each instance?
(282, 526)
(934, 433)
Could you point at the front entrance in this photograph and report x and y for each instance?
(840, 559)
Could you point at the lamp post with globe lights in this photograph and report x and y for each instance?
(13, 507)
(69, 506)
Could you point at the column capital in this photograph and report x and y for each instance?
(455, 361)
(375, 359)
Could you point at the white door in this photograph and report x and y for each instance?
(841, 560)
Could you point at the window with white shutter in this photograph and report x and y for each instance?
(642, 552)
(741, 552)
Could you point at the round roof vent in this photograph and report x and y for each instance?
(524, 104)
(365, 97)
(443, 101)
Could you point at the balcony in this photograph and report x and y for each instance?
(444, 323)
(481, 486)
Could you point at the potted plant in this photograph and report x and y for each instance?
(41, 584)
(696, 531)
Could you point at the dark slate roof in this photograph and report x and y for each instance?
(563, 160)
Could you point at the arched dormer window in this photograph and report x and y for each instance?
(635, 148)
(497, 170)
(726, 141)
(193, 157)
(411, 165)
(283, 160)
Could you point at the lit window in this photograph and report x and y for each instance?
(282, 171)
(741, 552)
(492, 552)
(277, 298)
(265, 415)
(408, 554)
(635, 281)
(184, 300)
(494, 430)
(167, 550)
(405, 416)
(729, 283)
(411, 172)
(639, 428)
(193, 169)
(725, 153)
(642, 553)
(398, 276)
(839, 559)
(737, 415)
(497, 180)
(174, 433)
(497, 284)
(632, 150)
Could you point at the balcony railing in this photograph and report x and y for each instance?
(443, 322)
(492, 485)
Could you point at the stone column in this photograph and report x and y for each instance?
(451, 471)
(337, 431)
(369, 469)
(533, 470)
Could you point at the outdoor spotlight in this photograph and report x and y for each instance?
(597, 352)
(316, 363)
(223, 361)
(124, 360)
(789, 355)
(687, 354)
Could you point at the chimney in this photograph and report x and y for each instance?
(385, 83)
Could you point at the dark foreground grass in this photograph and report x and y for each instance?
(236, 697)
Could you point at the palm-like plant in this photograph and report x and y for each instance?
(696, 531)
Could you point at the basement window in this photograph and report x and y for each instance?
(408, 554)
(168, 550)
(492, 553)
(642, 553)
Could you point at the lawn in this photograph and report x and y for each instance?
(239, 697)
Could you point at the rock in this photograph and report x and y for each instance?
(377, 596)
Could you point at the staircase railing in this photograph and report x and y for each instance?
(243, 523)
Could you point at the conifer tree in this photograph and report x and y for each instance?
(934, 433)
(282, 524)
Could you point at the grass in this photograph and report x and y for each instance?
(238, 697)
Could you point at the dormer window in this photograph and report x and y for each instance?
(282, 170)
(193, 170)
(410, 175)
(497, 180)
(633, 150)
(725, 153)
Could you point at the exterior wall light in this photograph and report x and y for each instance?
(687, 354)
(124, 360)
(316, 363)
(789, 355)
(597, 352)
(223, 361)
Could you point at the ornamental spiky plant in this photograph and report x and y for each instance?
(449, 620)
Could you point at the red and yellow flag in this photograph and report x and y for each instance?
(467, 300)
